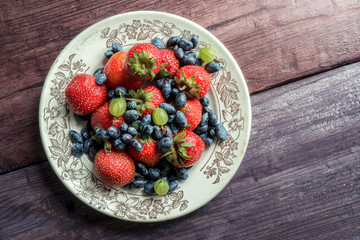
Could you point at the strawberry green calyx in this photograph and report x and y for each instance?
(178, 152)
(142, 98)
(163, 73)
(107, 146)
(142, 65)
(188, 85)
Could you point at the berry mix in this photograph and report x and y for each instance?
(148, 119)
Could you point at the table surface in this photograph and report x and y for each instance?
(301, 172)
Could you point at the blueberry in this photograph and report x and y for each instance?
(77, 149)
(194, 40)
(117, 48)
(126, 138)
(87, 144)
(221, 133)
(212, 132)
(132, 131)
(157, 133)
(207, 109)
(173, 185)
(138, 175)
(174, 128)
(188, 60)
(180, 100)
(136, 124)
(101, 78)
(204, 101)
(169, 109)
(124, 127)
(120, 90)
(164, 144)
(174, 92)
(182, 173)
(82, 117)
(180, 119)
(193, 54)
(118, 144)
(172, 41)
(147, 131)
(137, 145)
(204, 119)
(168, 132)
(154, 173)
(102, 133)
(108, 54)
(141, 168)
(149, 188)
(166, 90)
(165, 167)
(131, 115)
(75, 137)
(198, 62)
(171, 118)
(212, 67)
(208, 141)
(131, 105)
(139, 183)
(113, 132)
(111, 93)
(179, 53)
(185, 44)
(160, 82)
(93, 151)
(202, 129)
(213, 119)
(146, 120)
(157, 42)
(98, 71)
(84, 134)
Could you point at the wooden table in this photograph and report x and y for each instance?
(300, 178)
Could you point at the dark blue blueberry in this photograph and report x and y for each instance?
(137, 145)
(124, 127)
(174, 128)
(77, 149)
(213, 119)
(172, 41)
(207, 109)
(171, 118)
(101, 78)
(131, 105)
(141, 168)
(212, 132)
(82, 117)
(132, 131)
(179, 53)
(180, 119)
(193, 54)
(194, 40)
(146, 120)
(85, 134)
(131, 115)
(202, 129)
(157, 133)
(126, 138)
(180, 100)
(149, 188)
(136, 124)
(113, 132)
(118, 144)
(165, 167)
(204, 119)
(147, 131)
(185, 44)
(182, 173)
(75, 137)
(169, 109)
(204, 101)
(92, 132)
(168, 132)
(166, 90)
(160, 82)
(139, 183)
(121, 90)
(174, 92)
(111, 93)
(98, 71)
(138, 175)
(164, 144)
(198, 62)
(188, 60)
(93, 151)
(154, 173)
(173, 184)
(212, 67)
(117, 48)
(109, 53)
(221, 133)
(157, 42)
(102, 133)
(207, 140)
(87, 144)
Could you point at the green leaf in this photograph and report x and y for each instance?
(186, 144)
(149, 105)
(180, 137)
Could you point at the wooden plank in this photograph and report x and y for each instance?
(299, 179)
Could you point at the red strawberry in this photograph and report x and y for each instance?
(132, 85)
(187, 149)
(193, 80)
(170, 64)
(143, 62)
(115, 70)
(147, 98)
(148, 156)
(115, 168)
(102, 118)
(193, 113)
(84, 95)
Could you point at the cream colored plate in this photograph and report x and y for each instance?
(228, 96)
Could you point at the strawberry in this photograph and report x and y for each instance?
(148, 156)
(132, 85)
(115, 167)
(193, 113)
(102, 118)
(143, 62)
(147, 98)
(84, 95)
(193, 80)
(115, 70)
(186, 150)
(170, 64)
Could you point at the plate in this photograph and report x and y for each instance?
(229, 99)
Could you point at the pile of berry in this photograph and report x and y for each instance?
(146, 136)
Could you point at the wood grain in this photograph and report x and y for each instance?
(299, 179)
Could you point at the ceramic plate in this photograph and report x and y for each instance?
(229, 99)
